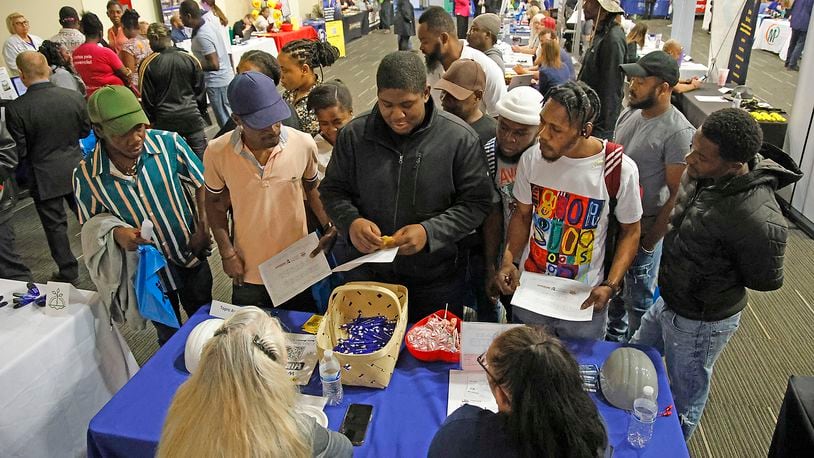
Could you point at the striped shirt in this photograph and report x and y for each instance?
(163, 190)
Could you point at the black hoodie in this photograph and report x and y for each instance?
(726, 236)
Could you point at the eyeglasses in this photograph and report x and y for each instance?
(485, 365)
(21, 23)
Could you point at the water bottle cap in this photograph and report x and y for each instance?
(329, 353)
(648, 391)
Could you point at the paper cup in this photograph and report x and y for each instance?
(723, 74)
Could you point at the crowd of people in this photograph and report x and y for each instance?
(473, 183)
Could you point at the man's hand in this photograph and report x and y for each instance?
(599, 297)
(695, 82)
(365, 235)
(508, 278)
(410, 239)
(326, 242)
(200, 244)
(492, 287)
(233, 267)
(129, 238)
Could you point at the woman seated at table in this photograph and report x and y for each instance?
(534, 37)
(542, 408)
(635, 42)
(676, 50)
(241, 402)
(552, 72)
(298, 60)
(332, 104)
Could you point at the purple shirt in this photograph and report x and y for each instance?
(801, 15)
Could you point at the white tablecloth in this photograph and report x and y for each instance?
(773, 35)
(261, 43)
(56, 373)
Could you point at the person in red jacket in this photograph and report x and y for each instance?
(462, 12)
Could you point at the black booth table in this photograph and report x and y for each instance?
(794, 433)
(406, 414)
(697, 111)
(354, 25)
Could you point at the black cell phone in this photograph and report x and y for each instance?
(354, 426)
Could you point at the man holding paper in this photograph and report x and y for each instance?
(409, 170)
(564, 210)
(262, 171)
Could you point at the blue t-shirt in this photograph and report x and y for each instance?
(801, 15)
(207, 40)
(550, 77)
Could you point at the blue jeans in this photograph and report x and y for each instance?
(626, 310)
(796, 43)
(690, 348)
(220, 104)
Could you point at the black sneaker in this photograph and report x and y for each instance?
(56, 276)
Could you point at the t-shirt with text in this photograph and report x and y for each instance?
(96, 65)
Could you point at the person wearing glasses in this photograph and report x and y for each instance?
(19, 41)
(542, 408)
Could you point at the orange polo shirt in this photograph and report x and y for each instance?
(116, 40)
(267, 200)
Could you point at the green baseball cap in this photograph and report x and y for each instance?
(116, 109)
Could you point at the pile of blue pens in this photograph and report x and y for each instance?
(366, 335)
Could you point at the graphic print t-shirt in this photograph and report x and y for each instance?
(570, 203)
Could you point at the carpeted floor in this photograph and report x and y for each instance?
(750, 378)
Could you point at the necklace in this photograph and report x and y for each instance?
(130, 170)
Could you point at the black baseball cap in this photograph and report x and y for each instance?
(658, 64)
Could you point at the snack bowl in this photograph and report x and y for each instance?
(436, 355)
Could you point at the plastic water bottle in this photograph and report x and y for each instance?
(736, 100)
(645, 410)
(331, 376)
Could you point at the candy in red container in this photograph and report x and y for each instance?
(436, 338)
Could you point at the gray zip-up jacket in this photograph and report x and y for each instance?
(436, 177)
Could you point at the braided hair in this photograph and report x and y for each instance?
(332, 93)
(314, 53)
(580, 101)
(130, 19)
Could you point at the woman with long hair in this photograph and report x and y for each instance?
(60, 61)
(240, 400)
(137, 46)
(552, 71)
(97, 65)
(543, 410)
(635, 41)
(298, 60)
(209, 5)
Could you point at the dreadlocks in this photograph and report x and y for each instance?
(580, 101)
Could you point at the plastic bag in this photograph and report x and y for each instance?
(153, 303)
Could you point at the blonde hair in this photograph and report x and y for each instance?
(240, 401)
(550, 53)
(10, 21)
(637, 34)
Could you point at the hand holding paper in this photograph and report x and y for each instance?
(555, 297)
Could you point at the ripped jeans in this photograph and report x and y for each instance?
(626, 310)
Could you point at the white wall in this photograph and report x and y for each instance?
(44, 14)
(800, 133)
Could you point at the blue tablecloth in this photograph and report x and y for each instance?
(406, 414)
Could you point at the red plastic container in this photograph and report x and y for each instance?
(286, 27)
(437, 355)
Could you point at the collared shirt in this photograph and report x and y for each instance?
(163, 191)
(267, 200)
(15, 45)
(71, 38)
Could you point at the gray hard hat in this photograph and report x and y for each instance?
(625, 374)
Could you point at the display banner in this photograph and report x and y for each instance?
(742, 44)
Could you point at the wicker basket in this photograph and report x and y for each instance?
(368, 299)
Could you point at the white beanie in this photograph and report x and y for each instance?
(522, 105)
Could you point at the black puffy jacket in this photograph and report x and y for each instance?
(725, 237)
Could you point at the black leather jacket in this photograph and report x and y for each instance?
(8, 164)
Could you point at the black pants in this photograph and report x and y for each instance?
(55, 223)
(11, 266)
(404, 43)
(463, 26)
(251, 294)
(476, 278)
(195, 291)
(197, 142)
(649, 5)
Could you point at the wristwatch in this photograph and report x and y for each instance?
(613, 286)
(327, 227)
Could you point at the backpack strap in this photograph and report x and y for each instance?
(613, 168)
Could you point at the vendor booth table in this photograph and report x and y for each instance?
(697, 111)
(268, 45)
(56, 372)
(773, 35)
(355, 25)
(281, 38)
(406, 414)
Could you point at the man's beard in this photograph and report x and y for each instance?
(434, 58)
(644, 104)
